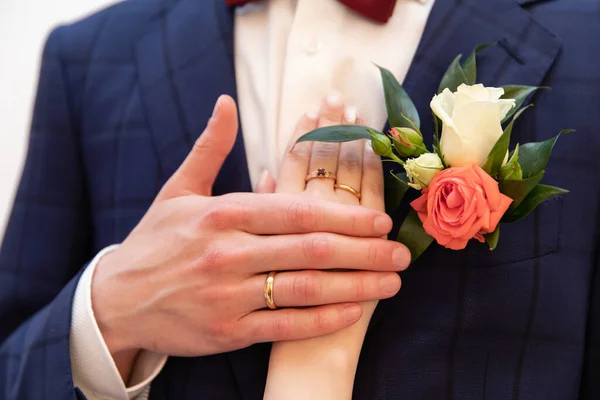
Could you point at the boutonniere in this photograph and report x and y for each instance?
(470, 181)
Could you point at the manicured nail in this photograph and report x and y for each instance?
(350, 114)
(389, 284)
(382, 225)
(313, 114)
(352, 313)
(334, 99)
(401, 257)
(262, 181)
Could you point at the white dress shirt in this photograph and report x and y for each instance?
(289, 54)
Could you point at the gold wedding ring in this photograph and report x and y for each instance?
(320, 173)
(348, 189)
(269, 283)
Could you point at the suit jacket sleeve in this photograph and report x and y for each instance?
(46, 244)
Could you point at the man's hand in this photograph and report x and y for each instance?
(188, 280)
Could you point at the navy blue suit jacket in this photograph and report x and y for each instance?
(124, 93)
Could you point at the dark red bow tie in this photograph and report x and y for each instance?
(377, 10)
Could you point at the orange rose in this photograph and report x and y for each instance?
(460, 204)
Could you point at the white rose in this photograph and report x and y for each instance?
(420, 171)
(472, 122)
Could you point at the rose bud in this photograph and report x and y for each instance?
(420, 171)
(381, 144)
(408, 142)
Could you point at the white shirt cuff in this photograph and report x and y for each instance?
(94, 370)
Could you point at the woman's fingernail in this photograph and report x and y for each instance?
(313, 114)
(334, 99)
(352, 313)
(368, 146)
(350, 114)
(262, 181)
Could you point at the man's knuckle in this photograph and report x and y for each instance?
(373, 252)
(322, 321)
(359, 287)
(217, 218)
(354, 221)
(304, 288)
(302, 215)
(217, 295)
(228, 212)
(202, 147)
(282, 326)
(317, 247)
(219, 330)
(215, 257)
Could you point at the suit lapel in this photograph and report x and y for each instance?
(184, 63)
(525, 52)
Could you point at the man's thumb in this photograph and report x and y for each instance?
(199, 170)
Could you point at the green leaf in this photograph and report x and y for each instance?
(398, 102)
(454, 76)
(519, 93)
(337, 133)
(537, 196)
(518, 190)
(395, 189)
(496, 156)
(534, 156)
(492, 238)
(413, 236)
(470, 64)
(512, 170)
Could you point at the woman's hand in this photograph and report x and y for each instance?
(324, 367)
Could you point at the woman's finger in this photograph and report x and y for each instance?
(294, 167)
(350, 164)
(372, 180)
(324, 156)
(266, 183)
(314, 288)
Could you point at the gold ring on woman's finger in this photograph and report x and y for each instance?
(321, 173)
(348, 189)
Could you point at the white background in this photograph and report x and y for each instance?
(24, 26)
